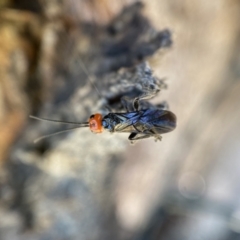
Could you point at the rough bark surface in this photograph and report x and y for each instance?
(84, 186)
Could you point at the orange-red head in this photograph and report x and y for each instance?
(95, 123)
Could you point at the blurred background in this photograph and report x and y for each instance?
(85, 186)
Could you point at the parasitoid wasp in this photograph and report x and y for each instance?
(140, 123)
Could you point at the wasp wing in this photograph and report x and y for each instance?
(127, 121)
(162, 121)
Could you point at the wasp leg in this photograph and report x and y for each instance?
(133, 137)
(146, 96)
(136, 104)
(151, 131)
(156, 135)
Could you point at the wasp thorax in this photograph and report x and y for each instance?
(95, 123)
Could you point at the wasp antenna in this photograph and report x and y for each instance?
(89, 77)
(84, 124)
(83, 66)
(53, 134)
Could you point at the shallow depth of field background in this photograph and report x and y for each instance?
(85, 186)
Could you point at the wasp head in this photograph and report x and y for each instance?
(95, 123)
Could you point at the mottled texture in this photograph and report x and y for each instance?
(63, 187)
(85, 186)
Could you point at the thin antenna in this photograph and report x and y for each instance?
(84, 124)
(89, 77)
(53, 134)
(92, 82)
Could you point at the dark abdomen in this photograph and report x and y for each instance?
(163, 121)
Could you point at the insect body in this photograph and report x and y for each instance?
(140, 124)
